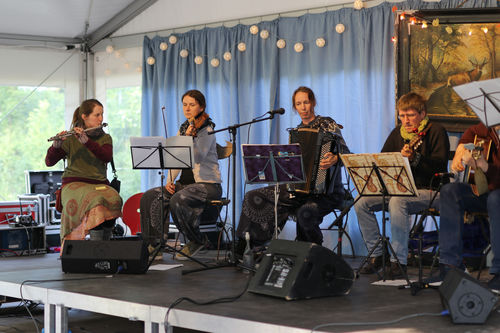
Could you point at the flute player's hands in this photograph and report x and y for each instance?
(81, 135)
(57, 143)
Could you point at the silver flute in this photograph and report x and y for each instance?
(70, 133)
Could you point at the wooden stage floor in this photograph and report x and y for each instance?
(366, 303)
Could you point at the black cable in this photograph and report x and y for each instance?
(54, 280)
(226, 299)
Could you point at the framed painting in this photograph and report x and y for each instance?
(437, 50)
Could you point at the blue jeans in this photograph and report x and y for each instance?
(456, 198)
(400, 210)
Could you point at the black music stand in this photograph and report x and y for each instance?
(161, 153)
(483, 97)
(273, 164)
(382, 174)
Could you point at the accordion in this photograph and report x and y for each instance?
(314, 144)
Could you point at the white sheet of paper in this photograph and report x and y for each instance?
(482, 107)
(164, 267)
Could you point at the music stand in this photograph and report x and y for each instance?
(483, 97)
(382, 174)
(273, 164)
(163, 153)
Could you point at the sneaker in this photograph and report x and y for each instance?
(190, 249)
(372, 265)
(396, 272)
(494, 283)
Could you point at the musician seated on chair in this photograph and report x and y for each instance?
(89, 204)
(483, 196)
(426, 145)
(257, 214)
(186, 199)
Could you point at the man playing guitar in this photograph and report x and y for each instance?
(426, 146)
(458, 198)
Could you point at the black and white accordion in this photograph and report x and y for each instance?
(314, 144)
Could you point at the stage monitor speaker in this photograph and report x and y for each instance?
(466, 300)
(109, 257)
(295, 270)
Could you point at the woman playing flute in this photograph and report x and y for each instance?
(89, 204)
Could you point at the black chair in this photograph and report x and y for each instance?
(211, 220)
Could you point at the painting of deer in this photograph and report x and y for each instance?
(465, 77)
(444, 100)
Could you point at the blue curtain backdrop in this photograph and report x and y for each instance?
(352, 76)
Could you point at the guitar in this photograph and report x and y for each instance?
(480, 147)
(417, 140)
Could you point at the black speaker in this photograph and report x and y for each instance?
(112, 256)
(466, 300)
(295, 270)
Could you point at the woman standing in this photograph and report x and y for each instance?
(89, 204)
(187, 198)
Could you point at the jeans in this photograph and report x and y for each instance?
(400, 210)
(456, 199)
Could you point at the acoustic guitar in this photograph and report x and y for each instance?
(480, 147)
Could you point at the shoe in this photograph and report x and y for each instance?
(395, 272)
(372, 265)
(190, 249)
(151, 250)
(494, 283)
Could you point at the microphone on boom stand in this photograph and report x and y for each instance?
(278, 111)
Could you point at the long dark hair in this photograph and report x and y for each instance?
(85, 108)
(198, 96)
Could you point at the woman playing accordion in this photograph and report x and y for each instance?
(306, 206)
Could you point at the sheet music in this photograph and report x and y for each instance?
(394, 169)
(284, 167)
(482, 107)
(177, 152)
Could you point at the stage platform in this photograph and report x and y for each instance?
(147, 297)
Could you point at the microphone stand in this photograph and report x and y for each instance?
(419, 228)
(232, 129)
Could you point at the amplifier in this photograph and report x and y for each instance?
(108, 257)
(42, 201)
(22, 240)
(9, 209)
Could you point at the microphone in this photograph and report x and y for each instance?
(278, 111)
(446, 175)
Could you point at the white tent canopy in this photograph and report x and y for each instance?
(57, 23)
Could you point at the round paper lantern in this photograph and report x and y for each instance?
(264, 34)
(172, 39)
(254, 29)
(184, 53)
(358, 4)
(163, 46)
(150, 61)
(298, 47)
(215, 62)
(227, 56)
(281, 43)
(110, 49)
(242, 47)
(198, 60)
(340, 28)
(320, 42)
